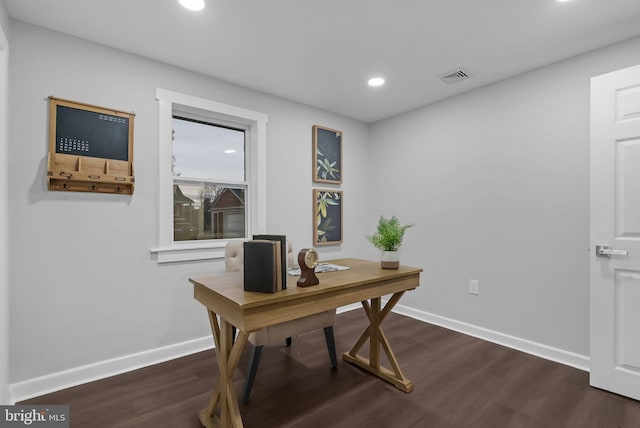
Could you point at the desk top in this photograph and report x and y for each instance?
(225, 295)
(361, 272)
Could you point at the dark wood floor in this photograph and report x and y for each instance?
(459, 381)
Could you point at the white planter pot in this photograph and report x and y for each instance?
(389, 260)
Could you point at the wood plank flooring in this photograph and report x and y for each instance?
(460, 381)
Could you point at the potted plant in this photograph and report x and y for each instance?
(388, 239)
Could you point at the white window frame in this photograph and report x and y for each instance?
(255, 125)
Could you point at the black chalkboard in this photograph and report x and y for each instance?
(89, 133)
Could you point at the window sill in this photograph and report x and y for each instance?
(188, 253)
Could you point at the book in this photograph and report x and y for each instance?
(283, 253)
(262, 266)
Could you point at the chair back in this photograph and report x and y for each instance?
(234, 256)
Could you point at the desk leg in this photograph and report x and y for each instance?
(224, 396)
(378, 340)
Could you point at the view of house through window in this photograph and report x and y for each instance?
(209, 181)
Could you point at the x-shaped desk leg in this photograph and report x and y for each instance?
(378, 340)
(228, 354)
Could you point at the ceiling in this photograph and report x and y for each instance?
(322, 53)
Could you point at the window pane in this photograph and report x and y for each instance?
(202, 150)
(208, 211)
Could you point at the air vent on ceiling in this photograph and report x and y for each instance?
(455, 76)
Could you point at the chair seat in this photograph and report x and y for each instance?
(234, 262)
(292, 328)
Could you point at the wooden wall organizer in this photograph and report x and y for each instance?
(90, 148)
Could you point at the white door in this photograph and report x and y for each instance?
(615, 222)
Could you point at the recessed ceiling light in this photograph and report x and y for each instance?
(229, 151)
(192, 4)
(563, 1)
(376, 81)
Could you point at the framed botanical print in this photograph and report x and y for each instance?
(327, 209)
(327, 155)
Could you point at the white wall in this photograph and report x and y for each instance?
(84, 286)
(4, 275)
(4, 18)
(497, 182)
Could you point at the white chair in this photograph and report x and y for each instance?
(234, 261)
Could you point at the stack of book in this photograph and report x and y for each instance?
(265, 264)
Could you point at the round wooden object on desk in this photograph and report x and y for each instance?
(308, 260)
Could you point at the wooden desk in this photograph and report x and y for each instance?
(365, 282)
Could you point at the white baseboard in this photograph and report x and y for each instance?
(65, 379)
(348, 308)
(562, 356)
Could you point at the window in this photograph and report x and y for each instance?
(209, 181)
(211, 176)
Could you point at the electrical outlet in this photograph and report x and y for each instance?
(473, 286)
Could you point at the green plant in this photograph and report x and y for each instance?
(389, 235)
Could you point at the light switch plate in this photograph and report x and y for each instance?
(473, 286)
